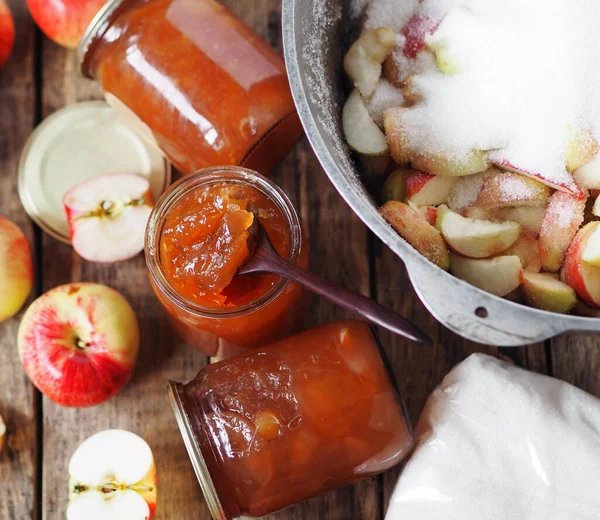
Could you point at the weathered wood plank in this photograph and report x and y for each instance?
(18, 399)
(143, 406)
(576, 359)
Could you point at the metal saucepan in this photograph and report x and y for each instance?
(314, 34)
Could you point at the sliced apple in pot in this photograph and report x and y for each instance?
(429, 213)
(475, 238)
(591, 252)
(562, 218)
(499, 276)
(363, 61)
(397, 135)
(529, 217)
(411, 226)
(588, 175)
(576, 272)
(506, 189)
(450, 164)
(108, 215)
(428, 190)
(544, 291)
(527, 249)
(581, 149)
(362, 133)
(112, 477)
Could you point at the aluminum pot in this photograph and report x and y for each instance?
(315, 34)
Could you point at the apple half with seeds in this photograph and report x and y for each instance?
(108, 215)
(544, 291)
(112, 476)
(475, 238)
(499, 276)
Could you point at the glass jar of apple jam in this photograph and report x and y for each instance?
(196, 240)
(282, 423)
(194, 79)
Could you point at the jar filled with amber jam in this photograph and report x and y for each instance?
(193, 79)
(199, 235)
(282, 423)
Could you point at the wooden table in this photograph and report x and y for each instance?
(39, 79)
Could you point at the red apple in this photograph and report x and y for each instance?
(78, 343)
(423, 189)
(7, 32)
(16, 269)
(577, 273)
(64, 21)
(563, 217)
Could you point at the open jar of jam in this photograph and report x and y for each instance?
(282, 423)
(196, 240)
(195, 80)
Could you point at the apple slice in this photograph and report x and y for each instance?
(2, 433)
(596, 207)
(429, 213)
(499, 276)
(7, 33)
(591, 252)
(577, 273)
(465, 192)
(112, 477)
(544, 291)
(475, 238)
(507, 189)
(364, 59)
(581, 149)
(588, 175)
(452, 165)
(563, 217)
(411, 226)
(362, 133)
(423, 189)
(563, 182)
(528, 251)
(108, 215)
(397, 136)
(529, 217)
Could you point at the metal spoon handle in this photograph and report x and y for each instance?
(353, 301)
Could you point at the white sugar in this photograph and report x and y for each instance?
(384, 97)
(527, 78)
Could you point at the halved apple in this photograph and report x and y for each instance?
(581, 149)
(112, 477)
(588, 175)
(528, 251)
(364, 59)
(507, 189)
(428, 190)
(544, 291)
(450, 164)
(362, 133)
(411, 226)
(500, 275)
(581, 276)
(562, 218)
(108, 215)
(475, 238)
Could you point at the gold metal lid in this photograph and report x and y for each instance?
(199, 464)
(77, 143)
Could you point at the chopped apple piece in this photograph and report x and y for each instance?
(591, 252)
(465, 192)
(588, 175)
(581, 276)
(504, 189)
(394, 187)
(500, 276)
(428, 190)
(417, 232)
(476, 238)
(429, 213)
(452, 165)
(362, 133)
(581, 149)
(562, 219)
(530, 217)
(364, 59)
(397, 136)
(543, 291)
(415, 32)
(528, 251)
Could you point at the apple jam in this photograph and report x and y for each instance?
(197, 239)
(195, 80)
(281, 423)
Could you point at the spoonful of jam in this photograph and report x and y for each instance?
(264, 259)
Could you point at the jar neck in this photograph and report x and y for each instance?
(205, 178)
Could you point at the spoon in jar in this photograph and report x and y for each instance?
(264, 259)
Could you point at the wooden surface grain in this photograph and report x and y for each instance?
(40, 79)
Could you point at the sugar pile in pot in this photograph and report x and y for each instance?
(527, 79)
(498, 442)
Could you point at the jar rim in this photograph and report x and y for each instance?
(204, 177)
(98, 23)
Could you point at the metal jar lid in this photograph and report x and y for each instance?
(77, 143)
(95, 26)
